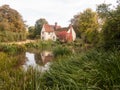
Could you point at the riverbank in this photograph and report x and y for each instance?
(21, 42)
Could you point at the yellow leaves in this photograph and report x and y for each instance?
(11, 20)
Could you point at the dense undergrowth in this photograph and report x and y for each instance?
(94, 70)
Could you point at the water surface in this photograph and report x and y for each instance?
(40, 61)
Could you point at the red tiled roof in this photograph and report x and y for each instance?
(48, 28)
(57, 32)
(62, 35)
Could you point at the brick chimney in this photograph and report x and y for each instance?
(55, 25)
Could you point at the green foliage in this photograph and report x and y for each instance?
(4, 59)
(40, 45)
(61, 51)
(38, 26)
(12, 49)
(86, 26)
(111, 26)
(93, 70)
(12, 78)
(103, 10)
(8, 36)
(31, 31)
(8, 74)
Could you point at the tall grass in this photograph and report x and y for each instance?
(7, 36)
(12, 49)
(12, 78)
(61, 51)
(42, 45)
(96, 70)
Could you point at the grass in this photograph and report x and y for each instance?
(12, 49)
(8, 36)
(62, 51)
(40, 45)
(12, 78)
(95, 70)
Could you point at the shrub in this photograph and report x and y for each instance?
(61, 51)
(12, 49)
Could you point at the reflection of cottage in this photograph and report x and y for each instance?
(54, 32)
(46, 56)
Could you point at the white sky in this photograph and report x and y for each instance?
(60, 11)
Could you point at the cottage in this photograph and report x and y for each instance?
(54, 32)
(47, 32)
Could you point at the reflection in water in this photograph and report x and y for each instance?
(39, 61)
(46, 56)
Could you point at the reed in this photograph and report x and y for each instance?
(12, 49)
(94, 70)
(61, 50)
(7, 36)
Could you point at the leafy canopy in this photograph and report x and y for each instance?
(11, 20)
(38, 25)
(86, 25)
(111, 26)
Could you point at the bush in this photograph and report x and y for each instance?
(12, 49)
(61, 51)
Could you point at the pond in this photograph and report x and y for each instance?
(40, 61)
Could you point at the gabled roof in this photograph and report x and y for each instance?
(48, 28)
(51, 28)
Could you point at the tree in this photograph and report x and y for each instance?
(12, 27)
(31, 31)
(86, 25)
(103, 10)
(111, 26)
(11, 20)
(38, 25)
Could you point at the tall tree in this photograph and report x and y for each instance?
(86, 25)
(38, 25)
(10, 20)
(111, 26)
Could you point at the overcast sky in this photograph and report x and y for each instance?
(60, 11)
